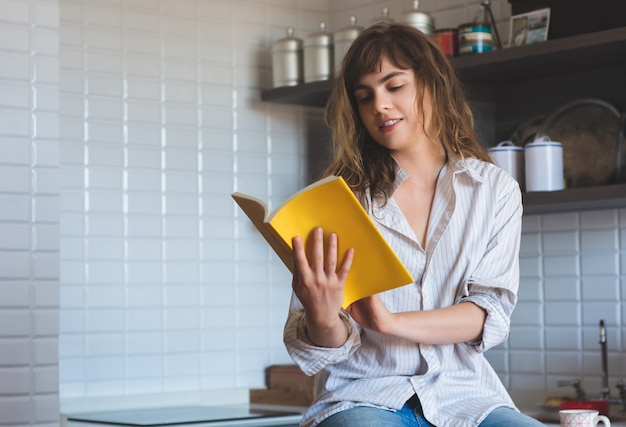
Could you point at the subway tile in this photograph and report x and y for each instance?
(600, 219)
(180, 115)
(145, 366)
(100, 62)
(562, 314)
(46, 125)
(599, 240)
(562, 289)
(564, 362)
(14, 38)
(561, 265)
(15, 94)
(526, 362)
(147, 345)
(593, 311)
(560, 221)
(106, 344)
(526, 337)
(15, 151)
(16, 65)
(560, 241)
(14, 122)
(14, 294)
(563, 338)
(600, 288)
(97, 15)
(599, 264)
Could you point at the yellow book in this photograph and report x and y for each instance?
(329, 203)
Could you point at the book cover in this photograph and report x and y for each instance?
(329, 203)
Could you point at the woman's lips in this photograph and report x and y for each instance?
(388, 125)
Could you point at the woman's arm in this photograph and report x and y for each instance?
(458, 323)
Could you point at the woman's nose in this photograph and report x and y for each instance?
(381, 103)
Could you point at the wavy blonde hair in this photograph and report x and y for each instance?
(363, 163)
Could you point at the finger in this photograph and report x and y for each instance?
(317, 251)
(331, 254)
(346, 264)
(300, 262)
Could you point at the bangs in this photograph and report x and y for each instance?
(370, 61)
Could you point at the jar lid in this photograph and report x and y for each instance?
(319, 38)
(349, 32)
(383, 18)
(417, 19)
(288, 43)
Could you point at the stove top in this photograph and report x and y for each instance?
(181, 415)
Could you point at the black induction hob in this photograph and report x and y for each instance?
(166, 416)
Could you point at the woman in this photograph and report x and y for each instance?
(405, 144)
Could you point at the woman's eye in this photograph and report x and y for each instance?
(395, 88)
(363, 99)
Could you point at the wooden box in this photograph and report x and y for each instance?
(286, 385)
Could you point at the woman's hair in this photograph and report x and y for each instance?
(363, 163)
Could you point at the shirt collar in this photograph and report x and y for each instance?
(454, 165)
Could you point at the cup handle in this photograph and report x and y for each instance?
(605, 420)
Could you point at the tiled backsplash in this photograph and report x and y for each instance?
(124, 127)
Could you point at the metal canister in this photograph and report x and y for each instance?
(475, 37)
(420, 20)
(287, 68)
(318, 55)
(343, 39)
(383, 18)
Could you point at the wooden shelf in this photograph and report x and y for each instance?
(575, 199)
(511, 82)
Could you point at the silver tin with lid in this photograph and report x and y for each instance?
(343, 39)
(318, 55)
(420, 20)
(384, 18)
(287, 61)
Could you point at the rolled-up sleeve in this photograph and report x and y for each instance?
(311, 358)
(494, 283)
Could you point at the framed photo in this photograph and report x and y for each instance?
(529, 28)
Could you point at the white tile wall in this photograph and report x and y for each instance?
(125, 268)
(29, 213)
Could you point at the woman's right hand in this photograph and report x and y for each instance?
(319, 285)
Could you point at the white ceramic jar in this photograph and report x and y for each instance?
(510, 158)
(544, 165)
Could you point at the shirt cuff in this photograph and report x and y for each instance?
(497, 324)
(311, 358)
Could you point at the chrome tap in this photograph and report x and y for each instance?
(605, 391)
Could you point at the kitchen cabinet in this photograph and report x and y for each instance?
(508, 87)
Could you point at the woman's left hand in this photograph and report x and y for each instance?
(371, 313)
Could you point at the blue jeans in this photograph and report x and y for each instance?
(410, 416)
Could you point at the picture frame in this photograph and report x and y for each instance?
(529, 28)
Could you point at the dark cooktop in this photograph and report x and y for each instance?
(179, 415)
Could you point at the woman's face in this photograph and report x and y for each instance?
(388, 106)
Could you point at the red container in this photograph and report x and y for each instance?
(448, 41)
(602, 406)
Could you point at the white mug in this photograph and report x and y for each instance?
(544, 165)
(582, 418)
(509, 158)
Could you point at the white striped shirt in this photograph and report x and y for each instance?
(472, 254)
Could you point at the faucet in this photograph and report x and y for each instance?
(605, 390)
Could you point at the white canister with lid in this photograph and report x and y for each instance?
(544, 165)
(287, 68)
(318, 55)
(343, 39)
(420, 20)
(509, 158)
